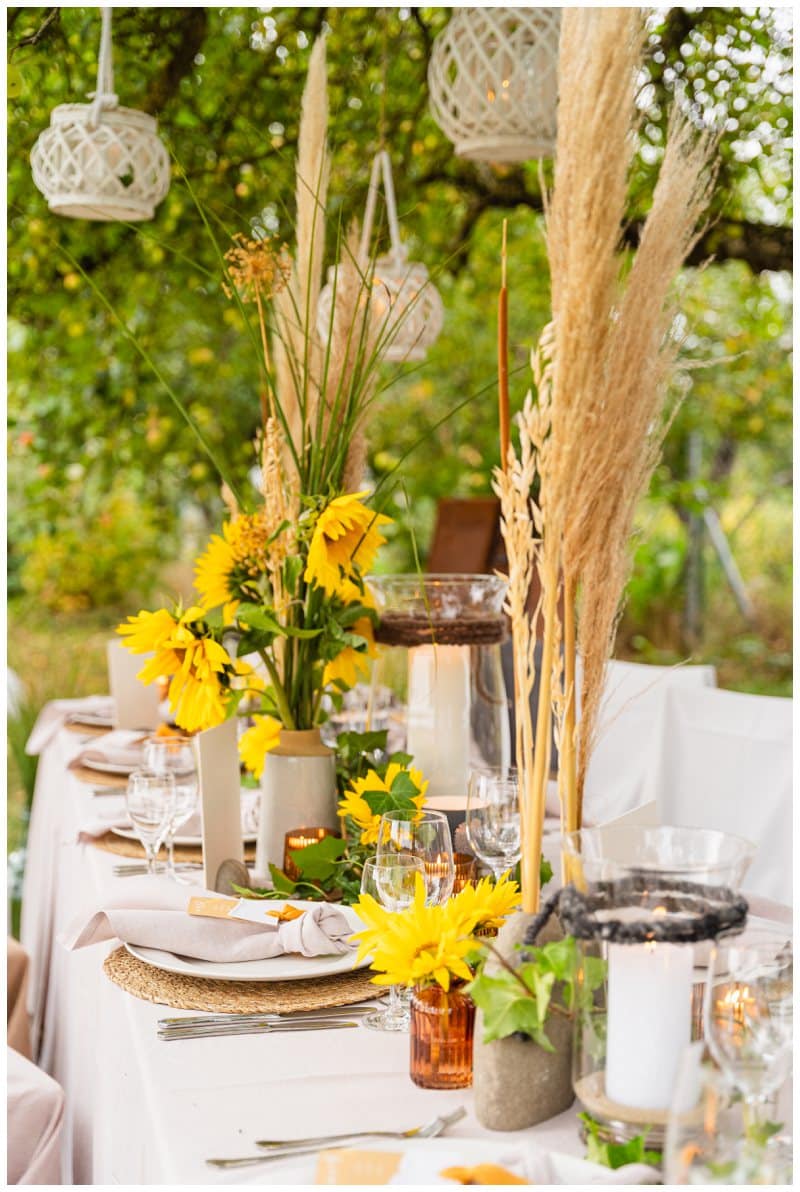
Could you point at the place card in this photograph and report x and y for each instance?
(135, 705)
(250, 910)
(220, 798)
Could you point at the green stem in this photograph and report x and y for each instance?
(280, 694)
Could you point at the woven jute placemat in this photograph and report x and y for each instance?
(131, 848)
(235, 997)
(97, 777)
(86, 730)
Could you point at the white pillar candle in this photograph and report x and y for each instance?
(649, 1021)
(438, 718)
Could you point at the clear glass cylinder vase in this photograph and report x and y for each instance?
(441, 636)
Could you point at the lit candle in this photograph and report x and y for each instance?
(438, 720)
(649, 1021)
(300, 838)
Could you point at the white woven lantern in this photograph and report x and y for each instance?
(493, 82)
(98, 160)
(398, 286)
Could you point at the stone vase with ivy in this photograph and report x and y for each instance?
(522, 1070)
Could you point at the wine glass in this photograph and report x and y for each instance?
(175, 755)
(710, 1138)
(748, 1011)
(150, 800)
(493, 819)
(391, 881)
(425, 835)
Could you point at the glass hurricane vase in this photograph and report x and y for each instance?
(442, 1026)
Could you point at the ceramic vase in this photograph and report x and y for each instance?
(298, 790)
(517, 1083)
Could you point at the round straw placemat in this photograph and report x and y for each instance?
(86, 730)
(110, 843)
(97, 777)
(235, 997)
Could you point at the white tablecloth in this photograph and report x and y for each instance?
(143, 1111)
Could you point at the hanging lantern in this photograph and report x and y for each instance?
(493, 81)
(398, 286)
(98, 160)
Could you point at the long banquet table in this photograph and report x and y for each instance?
(142, 1111)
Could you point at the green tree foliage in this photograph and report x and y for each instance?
(225, 83)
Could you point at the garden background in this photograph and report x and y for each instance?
(109, 496)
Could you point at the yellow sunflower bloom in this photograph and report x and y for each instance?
(354, 804)
(487, 903)
(353, 664)
(346, 538)
(238, 554)
(152, 632)
(258, 741)
(415, 946)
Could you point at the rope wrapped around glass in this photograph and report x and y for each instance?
(444, 634)
(644, 929)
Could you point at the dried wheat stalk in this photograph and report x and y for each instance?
(613, 354)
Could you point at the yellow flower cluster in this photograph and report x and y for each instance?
(423, 944)
(354, 805)
(256, 742)
(239, 552)
(351, 664)
(344, 543)
(200, 670)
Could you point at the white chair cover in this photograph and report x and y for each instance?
(627, 734)
(725, 761)
(35, 1123)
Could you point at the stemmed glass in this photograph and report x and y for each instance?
(391, 881)
(493, 819)
(748, 1011)
(426, 836)
(150, 800)
(710, 1137)
(174, 755)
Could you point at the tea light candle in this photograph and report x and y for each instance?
(649, 1021)
(300, 838)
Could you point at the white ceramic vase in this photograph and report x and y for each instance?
(298, 790)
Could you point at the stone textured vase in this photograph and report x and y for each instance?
(298, 790)
(516, 1082)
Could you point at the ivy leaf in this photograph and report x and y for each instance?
(545, 871)
(614, 1154)
(318, 861)
(282, 883)
(404, 784)
(506, 1008)
(761, 1132)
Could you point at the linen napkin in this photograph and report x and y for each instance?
(122, 747)
(54, 714)
(153, 914)
(113, 814)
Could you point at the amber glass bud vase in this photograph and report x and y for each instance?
(442, 1026)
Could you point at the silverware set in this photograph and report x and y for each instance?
(135, 869)
(281, 1149)
(210, 1026)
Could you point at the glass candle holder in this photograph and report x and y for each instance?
(297, 839)
(442, 637)
(465, 870)
(442, 1027)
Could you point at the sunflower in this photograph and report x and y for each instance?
(487, 903)
(256, 742)
(416, 946)
(345, 540)
(148, 633)
(354, 805)
(352, 663)
(230, 560)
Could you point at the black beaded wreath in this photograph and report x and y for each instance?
(694, 912)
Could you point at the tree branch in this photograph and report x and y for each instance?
(34, 38)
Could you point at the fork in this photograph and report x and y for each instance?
(295, 1016)
(307, 1146)
(170, 1035)
(136, 870)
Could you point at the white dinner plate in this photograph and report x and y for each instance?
(291, 967)
(130, 834)
(104, 767)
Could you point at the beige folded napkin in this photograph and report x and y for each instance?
(55, 713)
(113, 814)
(122, 747)
(152, 913)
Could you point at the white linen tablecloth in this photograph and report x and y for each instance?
(142, 1111)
